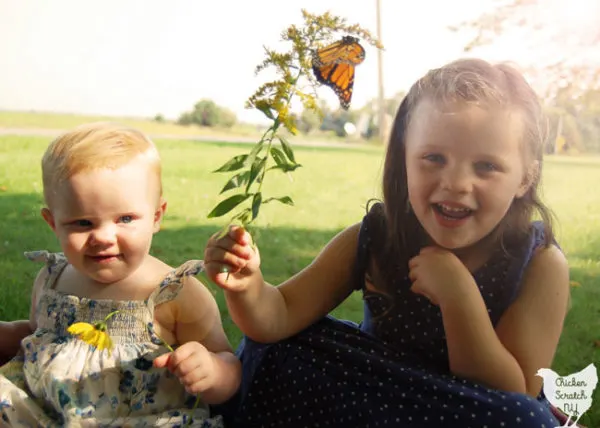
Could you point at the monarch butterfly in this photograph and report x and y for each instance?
(334, 65)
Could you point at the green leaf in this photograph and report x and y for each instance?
(236, 181)
(243, 217)
(279, 156)
(266, 110)
(256, 201)
(257, 166)
(287, 149)
(233, 164)
(276, 124)
(288, 167)
(227, 205)
(255, 151)
(284, 200)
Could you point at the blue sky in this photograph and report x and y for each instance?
(143, 57)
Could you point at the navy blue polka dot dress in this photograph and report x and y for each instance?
(393, 372)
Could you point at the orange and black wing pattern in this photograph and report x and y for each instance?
(334, 65)
(340, 77)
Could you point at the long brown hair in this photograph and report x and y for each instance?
(397, 234)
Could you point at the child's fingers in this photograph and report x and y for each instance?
(178, 360)
(412, 275)
(229, 244)
(162, 360)
(236, 233)
(240, 235)
(226, 278)
(412, 263)
(198, 386)
(224, 257)
(417, 289)
(173, 359)
(219, 272)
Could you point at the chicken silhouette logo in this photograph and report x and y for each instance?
(572, 394)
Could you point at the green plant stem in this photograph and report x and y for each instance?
(269, 144)
(198, 399)
(262, 139)
(275, 127)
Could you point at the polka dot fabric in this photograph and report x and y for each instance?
(412, 325)
(390, 373)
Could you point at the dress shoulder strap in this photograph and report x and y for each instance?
(55, 264)
(172, 283)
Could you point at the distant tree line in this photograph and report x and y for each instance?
(363, 119)
(208, 113)
(573, 113)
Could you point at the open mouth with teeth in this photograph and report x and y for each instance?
(452, 213)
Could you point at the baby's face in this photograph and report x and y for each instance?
(105, 219)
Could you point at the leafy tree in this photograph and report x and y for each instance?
(208, 113)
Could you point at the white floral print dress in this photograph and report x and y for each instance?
(58, 380)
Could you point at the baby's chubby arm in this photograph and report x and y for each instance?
(266, 313)
(12, 333)
(204, 363)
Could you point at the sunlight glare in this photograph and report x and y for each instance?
(577, 14)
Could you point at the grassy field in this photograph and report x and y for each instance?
(330, 192)
(48, 122)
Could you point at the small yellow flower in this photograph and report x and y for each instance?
(93, 334)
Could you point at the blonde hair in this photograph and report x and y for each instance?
(94, 146)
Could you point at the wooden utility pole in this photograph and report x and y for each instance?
(381, 99)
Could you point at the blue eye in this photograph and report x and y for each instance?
(435, 158)
(485, 167)
(82, 223)
(127, 219)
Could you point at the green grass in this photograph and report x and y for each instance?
(48, 122)
(330, 192)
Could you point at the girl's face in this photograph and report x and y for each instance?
(464, 169)
(105, 219)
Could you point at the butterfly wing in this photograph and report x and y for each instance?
(347, 50)
(334, 65)
(339, 77)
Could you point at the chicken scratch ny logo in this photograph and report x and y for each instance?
(572, 394)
